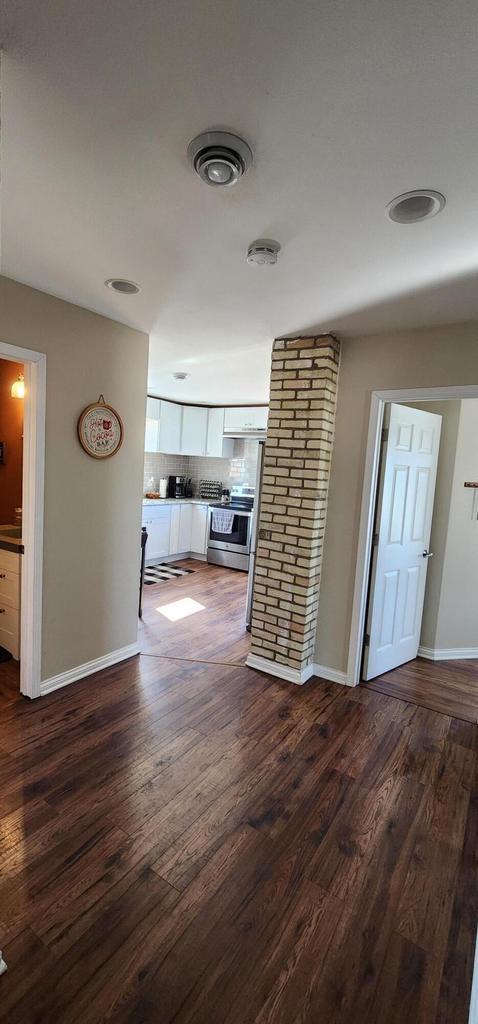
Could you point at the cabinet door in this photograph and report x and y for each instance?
(194, 432)
(234, 419)
(247, 419)
(174, 531)
(157, 523)
(170, 428)
(198, 529)
(151, 435)
(185, 523)
(215, 429)
(258, 416)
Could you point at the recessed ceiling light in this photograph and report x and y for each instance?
(263, 252)
(410, 207)
(180, 375)
(219, 158)
(118, 284)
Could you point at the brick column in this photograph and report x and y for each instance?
(297, 460)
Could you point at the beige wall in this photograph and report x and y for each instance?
(92, 508)
(423, 358)
(457, 619)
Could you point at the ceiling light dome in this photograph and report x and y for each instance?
(263, 252)
(410, 207)
(219, 158)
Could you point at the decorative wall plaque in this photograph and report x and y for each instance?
(100, 430)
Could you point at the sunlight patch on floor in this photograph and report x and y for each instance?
(180, 609)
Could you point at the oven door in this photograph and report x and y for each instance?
(238, 540)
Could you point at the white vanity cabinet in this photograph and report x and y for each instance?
(249, 419)
(10, 574)
(199, 529)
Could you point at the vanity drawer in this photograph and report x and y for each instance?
(9, 630)
(9, 588)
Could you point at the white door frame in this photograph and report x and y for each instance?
(33, 498)
(369, 495)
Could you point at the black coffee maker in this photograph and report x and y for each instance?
(176, 486)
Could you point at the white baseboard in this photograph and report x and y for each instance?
(293, 675)
(447, 653)
(72, 675)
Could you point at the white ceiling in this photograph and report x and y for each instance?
(345, 103)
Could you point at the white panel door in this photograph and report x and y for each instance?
(193, 439)
(401, 552)
(170, 428)
(198, 529)
(185, 526)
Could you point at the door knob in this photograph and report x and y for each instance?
(427, 554)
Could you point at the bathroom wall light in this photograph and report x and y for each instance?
(18, 387)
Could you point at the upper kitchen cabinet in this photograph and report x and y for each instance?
(246, 420)
(193, 441)
(217, 445)
(151, 436)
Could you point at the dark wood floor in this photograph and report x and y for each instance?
(447, 686)
(201, 843)
(216, 632)
(9, 682)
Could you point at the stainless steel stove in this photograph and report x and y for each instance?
(229, 529)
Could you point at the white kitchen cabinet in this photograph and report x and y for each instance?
(185, 525)
(157, 520)
(170, 428)
(245, 420)
(199, 529)
(194, 430)
(151, 436)
(217, 445)
(174, 529)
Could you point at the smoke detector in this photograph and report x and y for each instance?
(219, 158)
(263, 252)
(180, 375)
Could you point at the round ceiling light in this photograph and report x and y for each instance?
(219, 158)
(263, 252)
(410, 207)
(118, 284)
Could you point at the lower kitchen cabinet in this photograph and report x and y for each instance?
(199, 529)
(157, 521)
(175, 529)
(185, 522)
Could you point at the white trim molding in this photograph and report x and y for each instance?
(33, 499)
(367, 513)
(447, 653)
(73, 675)
(293, 675)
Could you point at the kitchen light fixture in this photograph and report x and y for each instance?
(119, 284)
(18, 387)
(410, 207)
(180, 375)
(263, 252)
(219, 158)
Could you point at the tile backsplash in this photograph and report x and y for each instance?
(240, 469)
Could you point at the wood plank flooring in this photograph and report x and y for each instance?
(216, 632)
(188, 842)
(447, 686)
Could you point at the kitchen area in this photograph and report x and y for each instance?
(202, 472)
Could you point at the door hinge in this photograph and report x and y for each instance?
(366, 640)
(384, 434)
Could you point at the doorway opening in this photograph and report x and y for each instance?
(200, 551)
(22, 453)
(419, 638)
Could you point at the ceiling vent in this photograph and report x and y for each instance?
(410, 207)
(118, 284)
(180, 375)
(219, 158)
(263, 252)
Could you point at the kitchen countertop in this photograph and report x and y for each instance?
(179, 501)
(8, 542)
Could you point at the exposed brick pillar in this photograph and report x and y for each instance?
(297, 460)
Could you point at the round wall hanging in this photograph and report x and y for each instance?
(100, 430)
